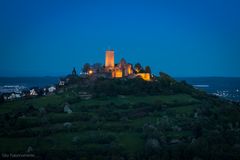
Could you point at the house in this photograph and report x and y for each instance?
(61, 83)
(45, 91)
(33, 92)
(11, 96)
(51, 89)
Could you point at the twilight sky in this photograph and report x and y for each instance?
(179, 37)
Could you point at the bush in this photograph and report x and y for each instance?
(54, 109)
(27, 122)
(158, 105)
(99, 138)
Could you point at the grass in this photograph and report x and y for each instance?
(138, 123)
(15, 144)
(187, 109)
(37, 102)
(132, 142)
(171, 99)
(88, 120)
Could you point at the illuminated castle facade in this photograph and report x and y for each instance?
(109, 60)
(122, 69)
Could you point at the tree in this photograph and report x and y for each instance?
(86, 67)
(74, 72)
(197, 130)
(97, 67)
(138, 67)
(148, 69)
(1, 99)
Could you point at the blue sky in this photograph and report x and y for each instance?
(181, 38)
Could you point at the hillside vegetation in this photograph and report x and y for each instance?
(122, 119)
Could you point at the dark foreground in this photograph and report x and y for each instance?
(121, 119)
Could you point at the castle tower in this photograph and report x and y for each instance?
(109, 59)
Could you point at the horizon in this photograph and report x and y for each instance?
(182, 39)
(62, 76)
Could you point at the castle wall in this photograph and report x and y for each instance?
(145, 76)
(117, 73)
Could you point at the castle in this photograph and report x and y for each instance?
(119, 70)
(122, 69)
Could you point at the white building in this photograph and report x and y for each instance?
(13, 96)
(51, 89)
(61, 83)
(33, 92)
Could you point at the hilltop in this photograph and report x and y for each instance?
(102, 118)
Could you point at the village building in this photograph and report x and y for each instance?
(11, 96)
(33, 92)
(51, 89)
(61, 83)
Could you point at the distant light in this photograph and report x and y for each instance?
(90, 72)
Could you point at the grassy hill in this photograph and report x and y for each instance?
(148, 120)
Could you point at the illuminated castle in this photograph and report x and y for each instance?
(122, 69)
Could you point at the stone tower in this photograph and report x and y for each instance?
(109, 60)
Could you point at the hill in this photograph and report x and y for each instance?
(122, 119)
